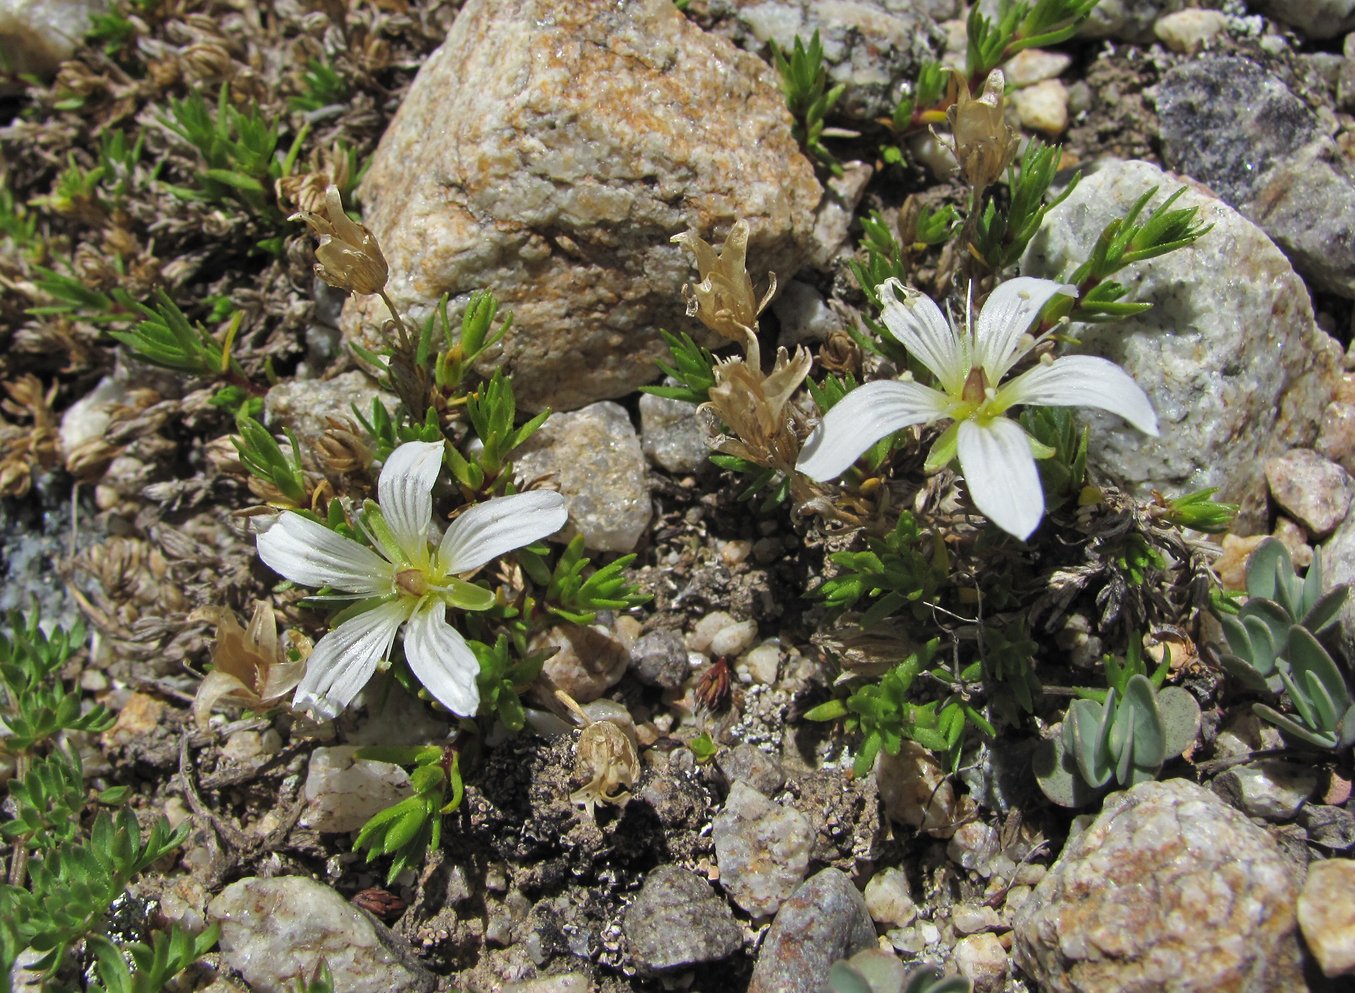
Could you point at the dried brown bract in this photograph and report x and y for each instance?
(348, 256)
(250, 665)
(25, 447)
(980, 138)
(723, 301)
(764, 426)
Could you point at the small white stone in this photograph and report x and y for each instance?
(343, 791)
(761, 663)
(888, 899)
(734, 639)
(1184, 31)
(1327, 915)
(969, 918)
(699, 639)
(1035, 65)
(982, 959)
(37, 35)
(242, 747)
(1043, 107)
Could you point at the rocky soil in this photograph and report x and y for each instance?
(549, 151)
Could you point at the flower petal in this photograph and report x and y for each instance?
(345, 659)
(1007, 314)
(863, 417)
(309, 553)
(442, 660)
(496, 526)
(919, 325)
(999, 470)
(1083, 381)
(405, 493)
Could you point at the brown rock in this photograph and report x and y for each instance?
(1327, 915)
(1169, 888)
(549, 151)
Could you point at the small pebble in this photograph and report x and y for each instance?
(733, 639)
(659, 658)
(969, 918)
(1314, 491)
(1327, 915)
(762, 849)
(1184, 31)
(983, 961)
(1035, 65)
(761, 663)
(1043, 107)
(699, 638)
(888, 899)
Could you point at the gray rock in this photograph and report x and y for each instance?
(567, 982)
(549, 152)
(805, 316)
(588, 661)
(1269, 789)
(762, 849)
(1327, 915)
(745, 763)
(824, 920)
(1312, 490)
(1225, 401)
(983, 961)
(1314, 18)
(1336, 438)
(870, 46)
(678, 920)
(659, 658)
(1225, 121)
(671, 434)
(1169, 888)
(38, 35)
(1306, 203)
(275, 931)
(1330, 827)
(309, 407)
(594, 459)
(888, 898)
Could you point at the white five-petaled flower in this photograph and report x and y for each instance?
(996, 455)
(411, 581)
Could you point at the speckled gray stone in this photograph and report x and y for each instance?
(342, 791)
(276, 931)
(1327, 915)
(1338, 567)
(825, 920)
(871, 46)
(762, 849)
(678, 920)
(1229, 354)
(549, 151)
(659, 658)
(1306, 203)
(1269, 789)
(593, 458)
(1225, 121)
(671, 434)
(308, 406)
(1168, 889)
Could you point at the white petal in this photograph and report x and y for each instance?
(923, 330)
(309, 553)
(863, 417)
(1083, 381)
(442, 660)
(496, 526)
(405, 493)
(1007, 314)
(345, 659)
(999, 470)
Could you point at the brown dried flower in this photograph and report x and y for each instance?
(24, 448)
(756, 407)
(250, 666)
(980, 138)
(606, 754)
(723, 301)
(348, 256)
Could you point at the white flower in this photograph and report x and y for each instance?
(412, 582)
(996, 455)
